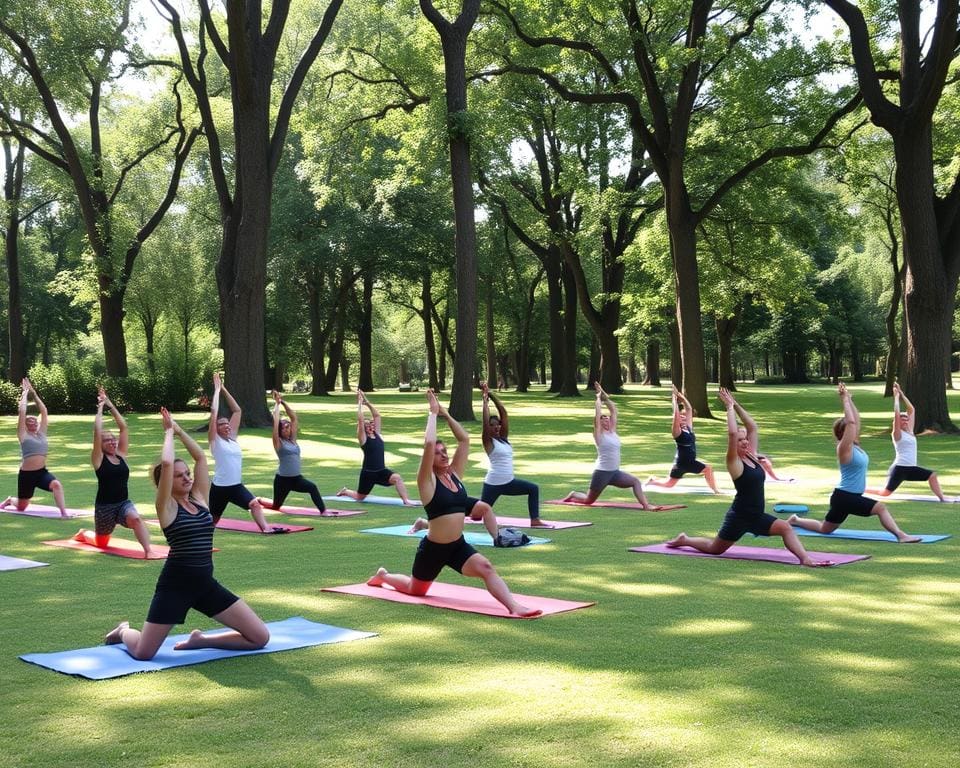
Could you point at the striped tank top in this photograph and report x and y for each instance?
(191, 538)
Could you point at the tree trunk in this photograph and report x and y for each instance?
(652, 363)
(552, 265)
(726, 328)
(12, 188)
(676, 366)
(335, 360)
(344, 374)
(365, 335)
(318, 343)
(426, 298)
(491, 348)
(568, 371)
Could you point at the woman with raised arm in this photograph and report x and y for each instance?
(446, 503)
(112, 506)
(746, 514)
(186, 580)
(374, 470)
(289, 477)
(685, 462)
(904, 467)
(847, 498)
(500, 480)
(607, 470)
(33, 474)
(228, 484)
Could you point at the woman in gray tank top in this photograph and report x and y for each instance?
(34, 474)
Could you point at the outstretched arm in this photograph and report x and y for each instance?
(374, 413)
(235, 412)
(486, 434)
(675, 427)
(502, 414)
(895, 428)
(165, 482)
(426, 482)
(459, 461)
(597, 413)
(852, 430)
(123, 438)
(687, 415)
(214, 411)
(734, 462)
(41, 408)
(22, 419)
(96, 452)
(201, 472)
(276, 420)
(611, 406)
(911, 413)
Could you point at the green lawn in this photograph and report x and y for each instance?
(683, 661)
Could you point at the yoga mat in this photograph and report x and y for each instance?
(737, 552)
(118, 547)
(460, 598)
(616, 505)
(796, 509)
(700, 489)
(913, 497)
(249, 526)
(42, 510)
(8, 563)
(849, 533)
(105, 661)
(310, 511)
(474, 538)
(524, 522)
(371, 499)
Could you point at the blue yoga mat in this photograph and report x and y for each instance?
(105, 661)
(797, 509)
(474, 538)
(848, 533)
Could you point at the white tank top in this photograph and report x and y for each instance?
(608, 452)
(229, 460)
(501, 463)
(906, 448)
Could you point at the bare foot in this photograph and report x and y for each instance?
(79, 536)
(793, 519)
(409, 503)
(909, 539)
(524, 612)
(418, 525)
(147, 554)
(195, 640)
(343, 491)
(64, 514)
(811, 563)
(115, 635)
(679, 541)
(377, 579)
(538, 523)
(7, 503)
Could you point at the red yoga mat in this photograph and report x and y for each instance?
(784, 556)
(118, 547)
(42, 510)
(524, 522)
(460, 598)
(310, 511)
(617, 505)
(249, 526)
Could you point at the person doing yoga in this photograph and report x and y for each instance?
(746, 514)
(847, 498)
(607, 470)
(112, 506)
(374, 470)
(32, 434)
(446, 503)
(186, 580)
(685, 461)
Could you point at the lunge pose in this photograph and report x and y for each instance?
(746, 514)
(446, 503)
(374, 470)
(32, 434)
(112, 506)
(289, 477)
(847, 498)
(685, 461)
(607, 468)
(186, 580)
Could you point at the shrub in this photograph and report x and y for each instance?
(9, 398)
(51, 384)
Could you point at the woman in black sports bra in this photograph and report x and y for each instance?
(446, 503)
(186, 580)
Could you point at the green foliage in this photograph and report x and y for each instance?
(9, 397)
(51, 384)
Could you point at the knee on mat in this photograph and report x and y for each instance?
(260, 637)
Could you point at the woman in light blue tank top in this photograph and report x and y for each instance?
(847, 498)
(289, 477)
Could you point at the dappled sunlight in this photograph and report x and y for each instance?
(863, 662)
(704, 627)
(647, 590)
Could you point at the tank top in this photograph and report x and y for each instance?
(373, 450)
(289, 455)
(686, 447)
(906, 448)
(608, 452)
(445, 501)
(749, 498)
(191, 538)
(33, 445)
(853, 474)
(501, 462)
(229, 458)
(112, 481)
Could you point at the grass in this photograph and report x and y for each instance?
(683, 661)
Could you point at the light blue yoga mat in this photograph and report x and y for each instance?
(105, 661)
(393, 501)
(848, 533)
(474, 538)
(8, 563)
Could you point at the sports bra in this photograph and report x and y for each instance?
(445, 501)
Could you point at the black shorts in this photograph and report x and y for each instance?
(220, 495)
(29, 480)
(736, 524)
(372, 477)
(431, 557)
(181, 588)
(844, 503)
(900, 474)
(106, 517)
(688, 468)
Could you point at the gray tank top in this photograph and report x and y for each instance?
(33, 445)
(289, 455)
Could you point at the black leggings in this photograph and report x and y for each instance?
(282, 485)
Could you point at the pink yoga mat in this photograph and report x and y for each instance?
(311, 511)
(249, 526)
(459, 598)
(616, 505)
(524, 522)
(42, 510)
(118, 547)
(752, 553)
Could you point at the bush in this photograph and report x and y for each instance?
(770, 380)
(51, 384)
(9, 398)
(81, 383)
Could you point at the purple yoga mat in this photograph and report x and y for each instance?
(737, 552)
(43, 510)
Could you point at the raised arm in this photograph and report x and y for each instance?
(96, 452)
(214, 410)
(164, 500)
(41, 408)
(486, 434)
(911, 413)
(501, 414)
(895, 428)
(852, 429)
(22, 409)
(675, 427)
(611, 406)
(458, 464)
(753, 433)
(374, 413)
(235, 410)
(123, 436)
(426, 480)
(597, 413)
(276, 421)
(201, 472)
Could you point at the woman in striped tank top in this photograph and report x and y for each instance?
(186, 580)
